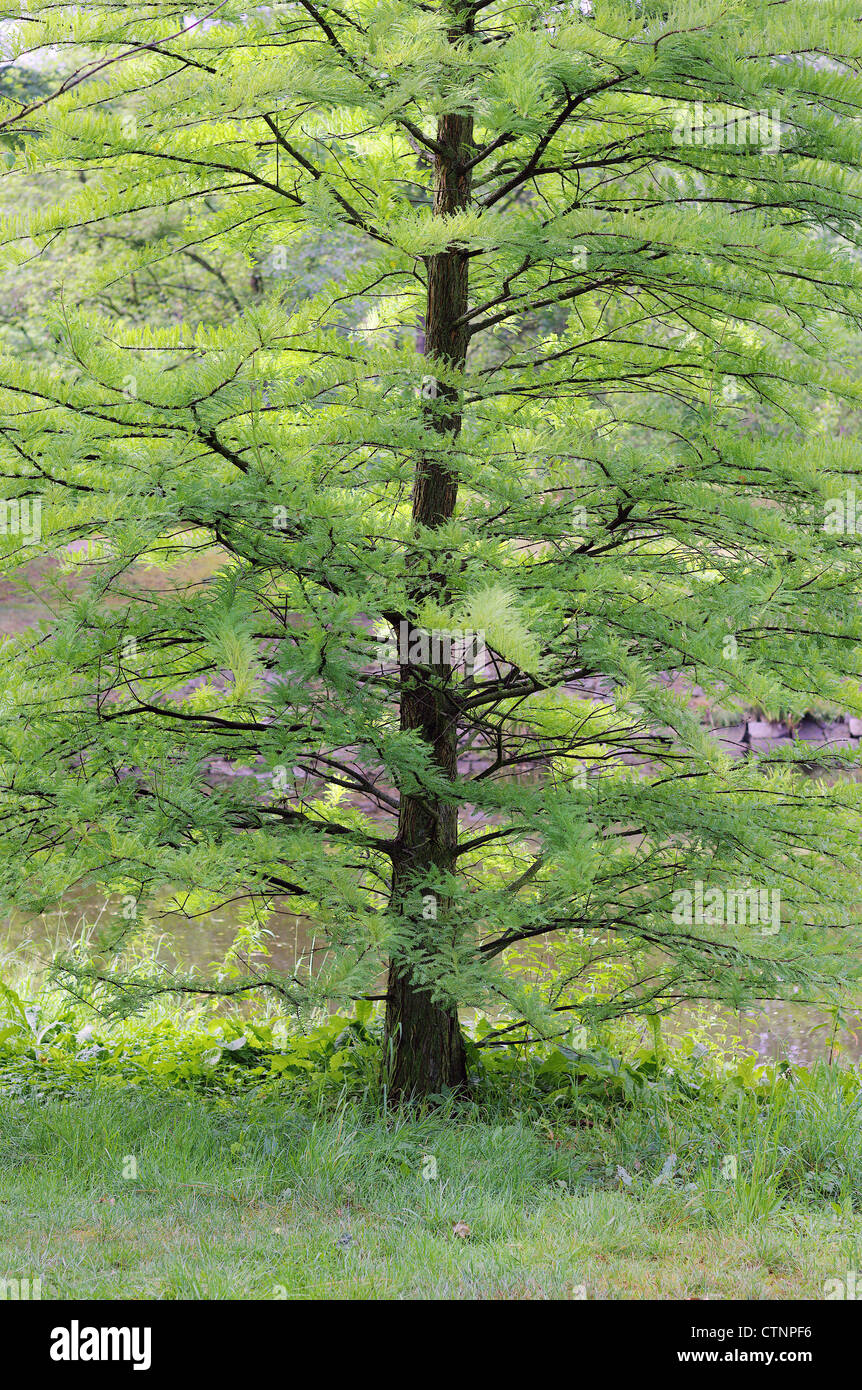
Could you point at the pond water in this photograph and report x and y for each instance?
(774, 1030)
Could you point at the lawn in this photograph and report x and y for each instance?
(261, 1201)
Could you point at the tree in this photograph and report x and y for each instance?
(553, 435)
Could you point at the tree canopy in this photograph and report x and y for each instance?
(557, 387)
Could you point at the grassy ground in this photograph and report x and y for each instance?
(183, 1153)
(256, 1201)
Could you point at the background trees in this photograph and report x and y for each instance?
(564, 381)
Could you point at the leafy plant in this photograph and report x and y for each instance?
(571, 381)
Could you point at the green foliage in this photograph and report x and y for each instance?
(660, 337)
(642, 1122)
(209, 1056)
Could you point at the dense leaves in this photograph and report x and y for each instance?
(642, 438)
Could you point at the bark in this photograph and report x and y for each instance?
(424, 1042)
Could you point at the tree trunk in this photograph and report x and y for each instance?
(424, 1043)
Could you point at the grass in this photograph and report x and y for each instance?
(184, 1154)
(255, 1200)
